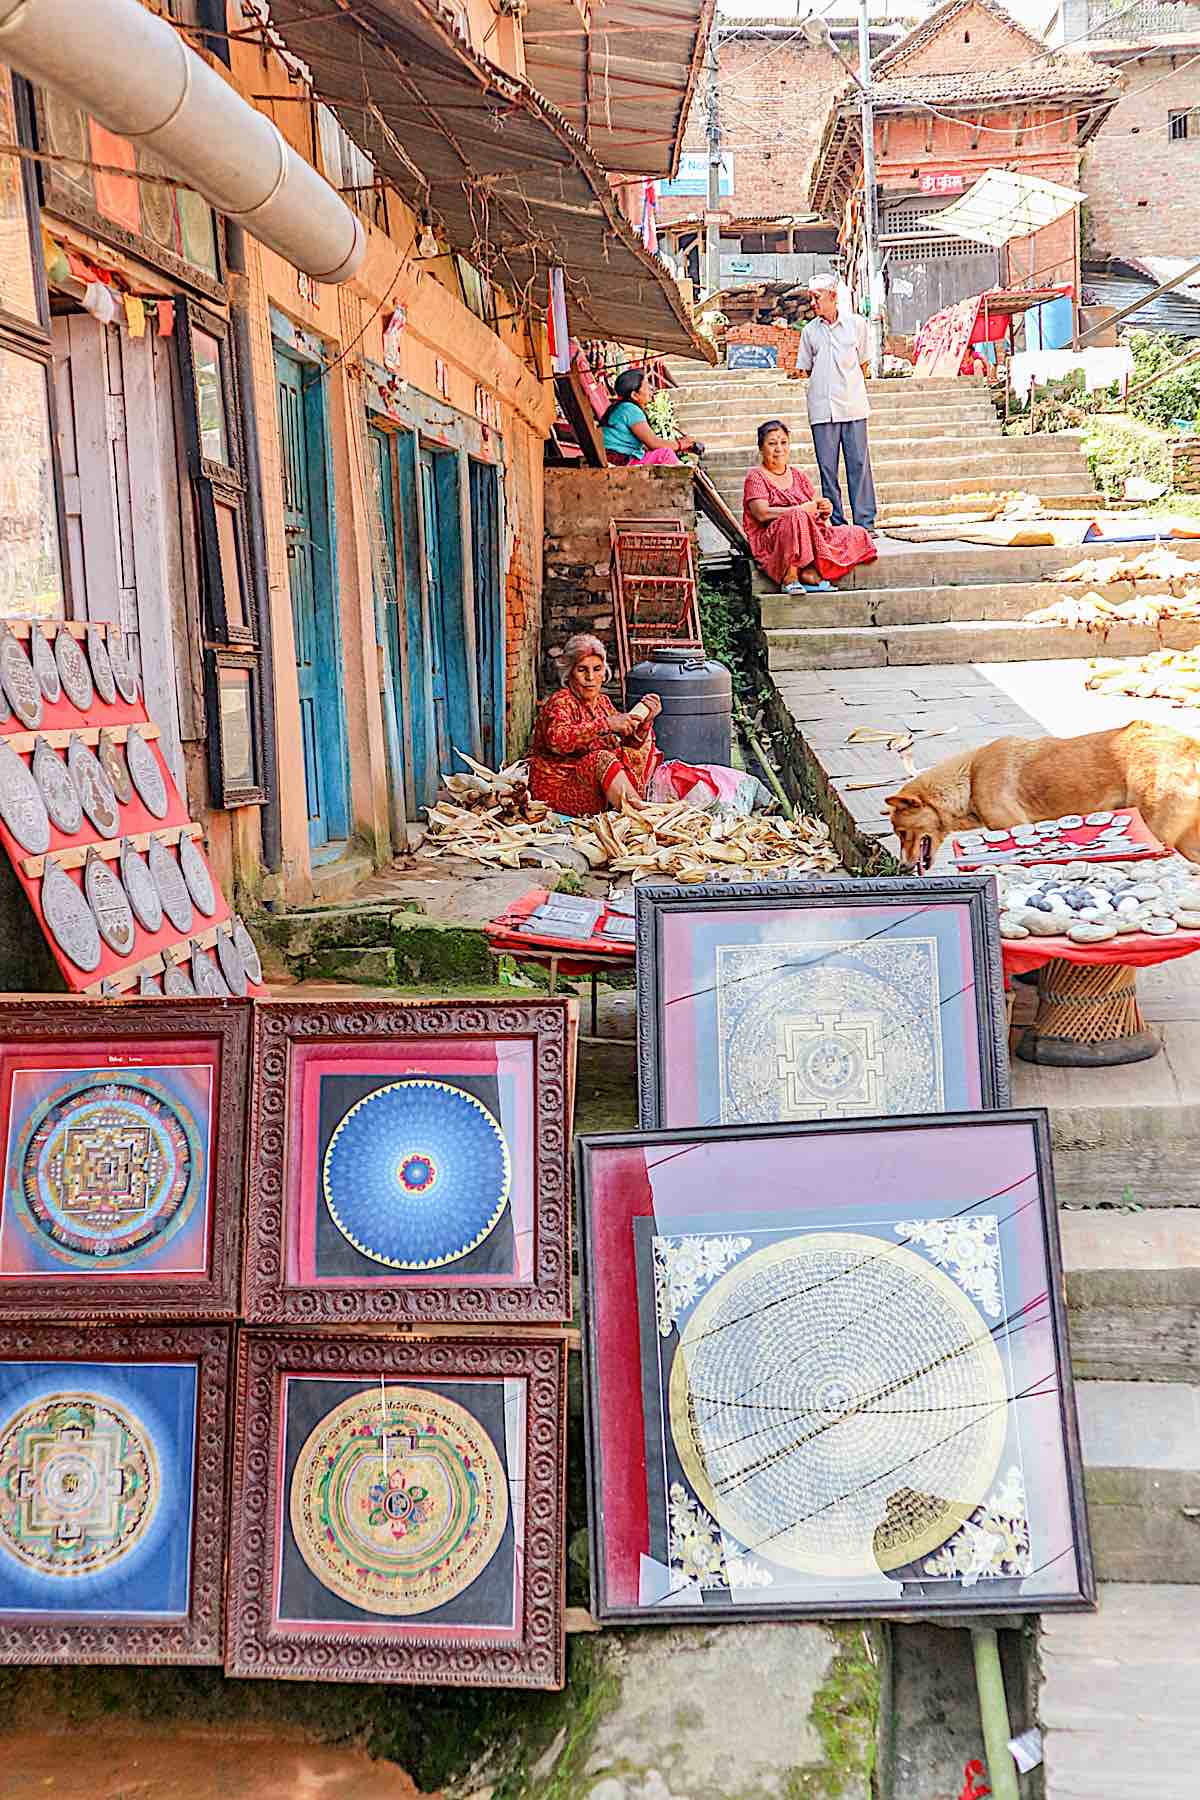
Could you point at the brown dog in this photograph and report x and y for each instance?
(1019, 781)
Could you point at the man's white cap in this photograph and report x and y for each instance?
(824, 282)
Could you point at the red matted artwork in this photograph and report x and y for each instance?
(828, 1372)
(409, 1160)
(398, 1510)
(124, 1135)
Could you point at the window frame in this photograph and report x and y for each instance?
(216, 483)
(228, 793)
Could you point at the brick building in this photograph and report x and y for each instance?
(967, 90)
(1141, 171)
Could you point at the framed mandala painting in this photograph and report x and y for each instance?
(124, 1133)
(828, 1372)
(398, 1510)
(409, 1160)
(761, 1003)
(112, 1493)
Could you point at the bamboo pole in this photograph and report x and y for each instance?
(993, 1713)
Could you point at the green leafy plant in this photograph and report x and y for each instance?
(1119, 446)
(661, 414)
(1176, 396)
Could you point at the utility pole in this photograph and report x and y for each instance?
(870, 192)
(712, 229)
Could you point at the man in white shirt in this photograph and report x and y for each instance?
(834, 354)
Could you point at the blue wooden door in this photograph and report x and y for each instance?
(418, 715)
(387, 603)
(489, 609)
(304, 460)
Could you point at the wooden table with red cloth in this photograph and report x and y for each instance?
(797, 540)
(508, 936)
(574, 754)
(1088, 1014)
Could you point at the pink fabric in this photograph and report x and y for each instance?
(797, 540)
(665, 457)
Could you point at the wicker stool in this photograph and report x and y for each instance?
(1088, 1017)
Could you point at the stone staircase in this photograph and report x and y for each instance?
(929, 439)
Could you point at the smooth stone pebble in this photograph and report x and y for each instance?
(1188, 896)
(1129, 903)
(1086, 933)
(1096, 915)
(1127, 922)
(1042, 906)
(1071, 821)
(1077, 869)
(1160, 909)
(1159, 927)
(1098, 818)
(1147, 890)
(1187, 921)
(1011, 926)
(996, 837)
(1044, 924)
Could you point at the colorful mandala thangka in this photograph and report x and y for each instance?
(417, 1174)
(398, 1500)
(79, 1484)
(108, 1170)
(993, 1544)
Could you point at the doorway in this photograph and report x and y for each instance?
(308, 530)
(489, 609)
(455, 708)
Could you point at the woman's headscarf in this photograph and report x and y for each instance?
(575, 649)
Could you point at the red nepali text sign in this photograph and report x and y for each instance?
(951, 182)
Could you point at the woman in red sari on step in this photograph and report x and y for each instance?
(585, 755)
(788, 525)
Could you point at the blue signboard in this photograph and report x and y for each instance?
(751, 356)
(693, 176)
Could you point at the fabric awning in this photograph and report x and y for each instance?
(513, 187)
(1004, 205)
(622, 74)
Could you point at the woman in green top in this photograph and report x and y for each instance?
(628, 434)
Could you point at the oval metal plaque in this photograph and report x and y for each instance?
(124, 671)
(149, 985)
(229, 958)
(95, 790)
(73, 669)
(147, 776)
(195, 873)
(139, 886)
(69, 918)
(108, 754)
(102, 669)
(108, 901)
(44, 665)
(58, 789)
(177, 982)
(172, 888)
(247, 950)
(21, 805)
(21, 685)
(206, 977)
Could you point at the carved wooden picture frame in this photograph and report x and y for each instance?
(409, 1160)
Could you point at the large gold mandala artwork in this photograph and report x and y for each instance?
(834, 1030)
(79, 1484)
(838, 1405)
(398, 1500)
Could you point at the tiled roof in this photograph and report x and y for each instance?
(940, 17)
(1045, 79)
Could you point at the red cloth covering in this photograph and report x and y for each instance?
(1137, 950)
(575, 754)
(797, 540)
(1072, 842)
(505, 935)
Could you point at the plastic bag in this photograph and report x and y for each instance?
(708, 785)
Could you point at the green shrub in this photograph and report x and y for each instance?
(1175, 397)
(1118, 446)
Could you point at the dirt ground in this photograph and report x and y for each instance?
(215, 1764)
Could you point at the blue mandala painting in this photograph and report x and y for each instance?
(417, 1174)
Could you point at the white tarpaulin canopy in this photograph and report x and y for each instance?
(1004, 205)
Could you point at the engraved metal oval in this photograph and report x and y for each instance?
(248, 950)
(123, 668)
(108, 901)
(72, 667)
(148, 985)
(177, 982)
(206, 977)
(139, 885)
(146, 773)
(44, 665)
(113, 763)
(172, 888)
(232, 967)
(22, 686)
(95, 790)
(69, 918)
(195, 873)
(21, 805)
(102, 669)
(58, 788)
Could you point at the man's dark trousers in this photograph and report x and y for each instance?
(848, 440)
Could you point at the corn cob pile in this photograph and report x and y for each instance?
(1157, 564)
(1172, 675)
(1092, 612)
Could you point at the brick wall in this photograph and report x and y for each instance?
(579, 505)
(973, 39)
(774, 99)
(781, 337)
(1143, 191)
(523, 584)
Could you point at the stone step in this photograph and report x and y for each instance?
(719, 438)
(1141, 1457)
(958, 641)
(1120, 1697)
(944, 566)
(985, 461)
(1007, 602)
(884, 393)
(1133, 1290)
(909, 496)
(792, 404)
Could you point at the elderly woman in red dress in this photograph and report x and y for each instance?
(585, 755)
(788, 525)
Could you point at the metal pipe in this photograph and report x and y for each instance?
(870, 190)
(1137, 305)
(712, 230)
(133, 72)
(270, 823)
(993, 1714)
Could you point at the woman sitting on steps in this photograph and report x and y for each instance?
(788, 526)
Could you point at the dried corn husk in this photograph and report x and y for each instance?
(1172, 675)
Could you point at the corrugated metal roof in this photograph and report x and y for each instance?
(623, 76)
(1121, 283)
(513, 187)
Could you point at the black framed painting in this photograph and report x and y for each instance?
(827, 1372)
(398, 1509)
(770, 1002)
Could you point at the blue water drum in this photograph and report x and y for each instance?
(696, 722)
